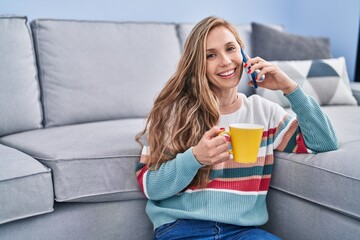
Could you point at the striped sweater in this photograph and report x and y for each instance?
(236, 192)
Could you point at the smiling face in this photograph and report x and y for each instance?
(223, 60)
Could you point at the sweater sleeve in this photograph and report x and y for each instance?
(170, 178)
(310, 131)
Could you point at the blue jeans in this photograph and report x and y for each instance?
(209, 230)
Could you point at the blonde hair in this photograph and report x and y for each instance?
(186, 107)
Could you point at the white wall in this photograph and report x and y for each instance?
(338, 20)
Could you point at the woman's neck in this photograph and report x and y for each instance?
(226, 98)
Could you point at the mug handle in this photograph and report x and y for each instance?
(226, 133)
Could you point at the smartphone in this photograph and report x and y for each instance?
(254, 74)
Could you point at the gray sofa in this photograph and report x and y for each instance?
(73, 94)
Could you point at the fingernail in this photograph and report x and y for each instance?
(222, 129)
(245, 65)
(249, 70)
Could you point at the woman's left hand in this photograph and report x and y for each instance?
(275, 78)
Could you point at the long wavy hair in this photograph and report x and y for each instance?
(186, 107)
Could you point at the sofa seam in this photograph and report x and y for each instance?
(99, 195)
(29, 215)
(12, 16)
(48, 171)
(83, 158)
(105, 21)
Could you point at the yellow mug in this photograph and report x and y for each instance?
(245, 141)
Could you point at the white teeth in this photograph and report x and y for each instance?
(224, 74)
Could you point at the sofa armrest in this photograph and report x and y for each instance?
(355, 88)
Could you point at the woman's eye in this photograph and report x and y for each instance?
(230, 49)
(210, 55)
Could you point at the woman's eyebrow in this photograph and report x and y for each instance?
(226, 44)
(230, 43)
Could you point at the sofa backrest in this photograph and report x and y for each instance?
(20, 107)
(92, 71)
(87, 70)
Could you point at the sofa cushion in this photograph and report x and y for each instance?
(330, 179)
(89, 162)
(19, 91)
(91, 71)
(326, 80)
(272, 44)
(25, 186)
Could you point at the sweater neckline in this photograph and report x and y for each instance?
(232, 107)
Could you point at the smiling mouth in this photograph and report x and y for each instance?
(227, 74)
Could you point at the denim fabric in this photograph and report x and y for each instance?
(209, 230)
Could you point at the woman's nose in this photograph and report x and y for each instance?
(225, 60)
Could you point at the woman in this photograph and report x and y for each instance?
(195, 190)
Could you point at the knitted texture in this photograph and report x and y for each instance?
(236, 192)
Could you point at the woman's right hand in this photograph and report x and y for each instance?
(212, 148)
(275, 78)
